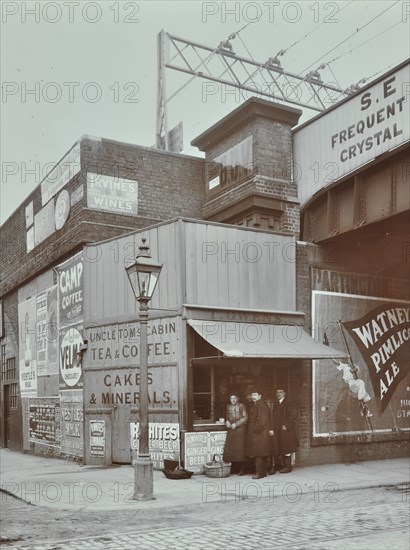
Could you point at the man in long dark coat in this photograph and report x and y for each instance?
(258, 439)
(285, 440)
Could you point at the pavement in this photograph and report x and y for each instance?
(66, 485)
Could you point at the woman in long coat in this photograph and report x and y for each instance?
(236, 419)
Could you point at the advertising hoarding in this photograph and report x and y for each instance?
(352, 134)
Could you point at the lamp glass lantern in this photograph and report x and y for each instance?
(143, 274)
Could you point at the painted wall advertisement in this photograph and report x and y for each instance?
(70, 307)
(70, 291)
(45, 421)
(97, 437)
(47, 332)
(27, 315)
(373, 392)
(201, 448)
(72, 423)
(163, 442)
(110, 194)
(357, 131)
(61, 174)
(118, 344)
(71, 368)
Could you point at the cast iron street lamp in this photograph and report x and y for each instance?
(143, 275)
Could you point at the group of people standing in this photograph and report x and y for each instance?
(268, 436)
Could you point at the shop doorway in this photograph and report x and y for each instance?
(7, 414)
(214, 382)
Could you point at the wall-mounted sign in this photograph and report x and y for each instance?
(122, 387)
(352, 134)
(41, 329)
(383, 339)
(70, 362)
(62, 209)
(72, 423)
(163, 441)
(44, 224)
(29, 215)
(61, 174)
(44, 421)
(30, 239)
(70, 290)
(118, 344)
(97, 437)
(27, 315)
(111, 194)
(381, 378)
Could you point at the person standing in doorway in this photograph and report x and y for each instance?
(284, 435)
(258, 439)
(234, 450)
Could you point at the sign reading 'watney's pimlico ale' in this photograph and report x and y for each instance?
(383, 339)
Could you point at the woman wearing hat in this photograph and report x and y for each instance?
(236, 419)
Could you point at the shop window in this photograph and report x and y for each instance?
(211, 394)
(11, 373)
(203, 395)
(3, 362)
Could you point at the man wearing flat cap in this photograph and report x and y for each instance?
(258, 439)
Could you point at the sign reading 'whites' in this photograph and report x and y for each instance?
(383, 339)
(163, 441)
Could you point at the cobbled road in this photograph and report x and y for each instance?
(371, 518)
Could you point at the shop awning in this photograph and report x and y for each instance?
(253, 340)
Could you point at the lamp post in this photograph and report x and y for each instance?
(143, 275)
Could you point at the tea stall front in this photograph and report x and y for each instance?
(221, 317)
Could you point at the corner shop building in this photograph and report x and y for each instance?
(231, 257)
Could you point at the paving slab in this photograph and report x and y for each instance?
(63, 484)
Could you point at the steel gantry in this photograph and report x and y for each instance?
(221, 65)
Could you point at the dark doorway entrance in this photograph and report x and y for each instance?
(7, 409)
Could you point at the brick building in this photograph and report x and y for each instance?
(232, 256)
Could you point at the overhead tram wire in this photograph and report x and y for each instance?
(350, 36)
(363, 80)
(282, 52)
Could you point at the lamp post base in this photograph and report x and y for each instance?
(143, 478)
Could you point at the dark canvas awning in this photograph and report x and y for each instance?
(253, 340)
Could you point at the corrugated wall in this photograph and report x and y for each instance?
(107, 291)
(239, 268)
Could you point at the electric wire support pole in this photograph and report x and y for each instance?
(223, 66)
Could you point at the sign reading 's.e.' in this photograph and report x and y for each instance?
(353, 133)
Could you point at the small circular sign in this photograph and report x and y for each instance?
(62, 209)
(70, 364)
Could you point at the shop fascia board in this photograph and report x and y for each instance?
(241, 315)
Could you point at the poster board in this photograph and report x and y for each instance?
(200, 448)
